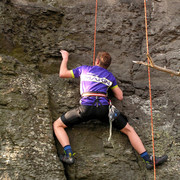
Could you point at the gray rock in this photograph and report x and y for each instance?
(27, 144)
(32, 96)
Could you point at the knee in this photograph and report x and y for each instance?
(127, 129)
(58, 123)
(55, 124)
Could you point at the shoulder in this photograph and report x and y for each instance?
(85, 67)
(110, 73)
(81, 67)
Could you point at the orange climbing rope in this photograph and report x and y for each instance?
(95, 33)
(149, 77)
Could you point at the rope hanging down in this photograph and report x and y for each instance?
(95, 33)
(149, 77)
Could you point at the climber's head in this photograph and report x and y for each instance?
(103, 59)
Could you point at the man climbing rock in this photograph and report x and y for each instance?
(94, 104)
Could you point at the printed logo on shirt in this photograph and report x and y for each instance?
(96, 79)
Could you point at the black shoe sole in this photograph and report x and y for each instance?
(151, 165)
(164, 159)
(67, 160)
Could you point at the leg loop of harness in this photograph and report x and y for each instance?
(95, 94)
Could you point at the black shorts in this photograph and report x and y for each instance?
(86, 113)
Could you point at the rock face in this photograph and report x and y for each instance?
(32, 96)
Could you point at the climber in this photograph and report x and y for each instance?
(95, 81)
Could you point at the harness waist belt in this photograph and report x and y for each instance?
(94, 94)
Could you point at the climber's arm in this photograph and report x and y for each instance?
(63, 71)
(117, 93)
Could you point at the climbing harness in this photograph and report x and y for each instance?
(150, 97)
(99, 94)
(113, 111)
(96, 94)
(113, 114)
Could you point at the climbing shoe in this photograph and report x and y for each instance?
(67, 159)
(158, 161)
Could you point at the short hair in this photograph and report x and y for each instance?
(105, 59)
